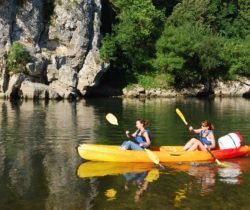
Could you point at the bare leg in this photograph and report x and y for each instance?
(201, 147)
(197, 145)
(194, 146)
(189, 144)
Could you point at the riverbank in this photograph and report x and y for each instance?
(218, 88)
(26, 89)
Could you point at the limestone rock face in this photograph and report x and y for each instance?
(93, 67)
(7, 16)
(232, 88)
(67, 76)
(28, 23)
(15, 83)
(63, 38)
(52, 73)
(63, 90)
(31, 90)
(66, 83)
(91, 72)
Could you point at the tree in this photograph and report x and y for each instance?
(190, 41)
(236, 54)
(133, 37)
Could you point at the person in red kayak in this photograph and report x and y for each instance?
(206, 134)
(141, 137)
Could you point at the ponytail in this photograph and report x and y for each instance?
(143, 121)
(208, 124)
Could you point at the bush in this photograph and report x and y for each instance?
(189, 42)
(155, 80)
(131, 43)
(17, 58)
(235, 54)
(108, 48)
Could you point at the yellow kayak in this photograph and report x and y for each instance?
(110, 153)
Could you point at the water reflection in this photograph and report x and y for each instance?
(134, 175)
(140, 180)
(37, 152)
(204, 177)
(38, 160)
(205, 174)
(230, 175)
(135, 179)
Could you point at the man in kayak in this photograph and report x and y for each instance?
(206, 135)
(141, 137)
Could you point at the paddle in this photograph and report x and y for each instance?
(113, 120)
(179, 113)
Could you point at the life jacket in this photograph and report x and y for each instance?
(140, 139)
(230, 141)
(205, 140)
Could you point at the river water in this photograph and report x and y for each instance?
(40, 168)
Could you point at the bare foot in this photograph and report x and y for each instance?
(123, 148)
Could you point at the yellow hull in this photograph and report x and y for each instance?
(109, 153)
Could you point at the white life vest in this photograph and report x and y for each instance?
(230, 141)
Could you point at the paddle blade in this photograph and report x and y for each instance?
(181, 116)
(221, 164)
(112, 119)
(152, 156)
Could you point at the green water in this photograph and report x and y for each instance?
(39, 162)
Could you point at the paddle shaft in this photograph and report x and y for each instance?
(112, 119)
(212, 154)
(185, 122)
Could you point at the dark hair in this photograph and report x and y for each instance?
(142, 121)
(208, 124)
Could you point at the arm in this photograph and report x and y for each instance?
(192, 130)
(146, 136)
(131, 136)
(211, 136)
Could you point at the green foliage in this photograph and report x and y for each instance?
(108, 48)
(194, 46)
(17, 58)
(243, 18)
(134, 34)
(192, 12)
(236, 54)
(177, 51)
(210, 61)
(155, 80)
(189, 41)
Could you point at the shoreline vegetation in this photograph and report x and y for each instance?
(218, 88)
(135, 48)
(180, 47)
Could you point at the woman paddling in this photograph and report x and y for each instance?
(141, 137)
(206, 135)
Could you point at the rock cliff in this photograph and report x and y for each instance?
(63, 39)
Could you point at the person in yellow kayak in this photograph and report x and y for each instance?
(206, 134)
(141, 137)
